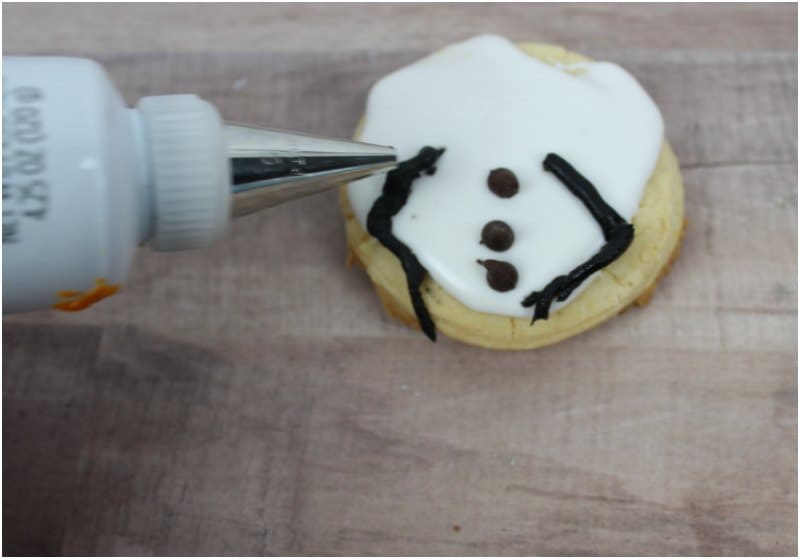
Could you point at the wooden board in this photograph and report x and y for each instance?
(251, 398)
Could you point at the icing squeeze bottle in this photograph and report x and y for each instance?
(86, 179)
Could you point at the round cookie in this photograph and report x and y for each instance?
(630, 279)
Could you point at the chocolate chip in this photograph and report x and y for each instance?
(501, 276)
(497, 235)
(503, 182)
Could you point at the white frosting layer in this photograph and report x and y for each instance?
(493, 106)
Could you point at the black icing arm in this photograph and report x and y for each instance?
(618, 234)
(395, 193)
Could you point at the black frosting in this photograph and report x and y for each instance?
(618, 234)
(395, 193)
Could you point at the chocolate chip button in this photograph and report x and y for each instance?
(503, 182)
(497, 235)
(501, 276)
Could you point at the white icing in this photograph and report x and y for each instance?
(491, 105)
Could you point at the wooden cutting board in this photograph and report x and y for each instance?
(251, 398)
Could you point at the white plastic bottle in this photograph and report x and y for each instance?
(87, 179)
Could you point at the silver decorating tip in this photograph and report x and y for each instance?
(269, 167)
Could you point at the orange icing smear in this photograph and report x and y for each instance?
(79, 300)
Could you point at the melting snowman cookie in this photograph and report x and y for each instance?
(546, 164)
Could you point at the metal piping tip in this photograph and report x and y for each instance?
(269, 167)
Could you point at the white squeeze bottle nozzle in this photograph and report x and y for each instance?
(86, 179)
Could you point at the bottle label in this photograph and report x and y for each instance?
(26, 191)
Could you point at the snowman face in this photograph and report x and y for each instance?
(493, 107)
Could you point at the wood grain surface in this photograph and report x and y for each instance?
(251, 398)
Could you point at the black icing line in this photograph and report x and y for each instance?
(396, 190)
(617, 232)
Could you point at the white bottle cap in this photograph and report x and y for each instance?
(190, 173)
